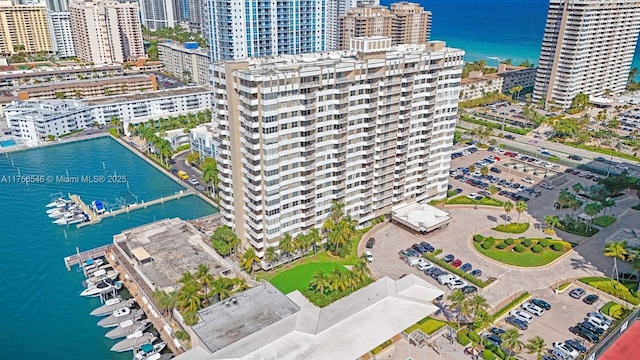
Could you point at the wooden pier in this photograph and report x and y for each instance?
(80, 257)
(94, 218)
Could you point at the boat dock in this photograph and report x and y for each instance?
(80, 257)
(94, 218)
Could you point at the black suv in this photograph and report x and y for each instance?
(495, 170)
(585, 334)
(449, 258)
(370, 243)
(575, 157)
(510, 137)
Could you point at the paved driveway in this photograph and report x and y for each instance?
(456, 239)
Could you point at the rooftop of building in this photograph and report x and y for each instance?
(421, 217)
(346, 329)
(174, 247)
(181, 47)
(485, 77)
(288, 63)
(60, 85)
(43, 109)
(56, 70)
(149, 95)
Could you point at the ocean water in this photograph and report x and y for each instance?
(42, 314)
(492, 30)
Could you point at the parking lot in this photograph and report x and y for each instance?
(553, 325)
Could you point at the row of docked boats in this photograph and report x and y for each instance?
(66, 212)
(127, 323)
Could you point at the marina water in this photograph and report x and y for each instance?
(40, 308)
(492, 30)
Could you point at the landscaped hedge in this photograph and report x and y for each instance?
(437, 252)
(473, 336)
(509, 241)
(544, 242)
(526, 242)
(443, 264)
(537, 249)
(604, 221)
(612, 287)
(502, 245)
(494, 125)
(462, 337)
(519, 248)
(478, 238)
(381, 347)
(557, 246)
(487, 244)
(511, 305)
(577, 228)
(463, 200)
(513, 228)
(488, 355)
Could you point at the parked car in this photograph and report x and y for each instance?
(476, 272)
(575, 344)
(456, 263)
(509, 137)
(576, 293)
(590, 299)
(466, 267)
(437, 273)
(517, 323)
(419, 248)
(425, 266)
(447, 278)
(541, 303)
(532, 308)
(493, 339)
(575, 157)
(600, 317)
(427, 246)
(368, 255)
(456, 284)
(469, 289)
(546, 186)
(521, 315)
(370, 243)
(497, 331)
(585, 334)
(448, 258)
(528, 180)
(591, 327)
(566, 349)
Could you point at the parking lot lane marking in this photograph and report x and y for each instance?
(504, 273)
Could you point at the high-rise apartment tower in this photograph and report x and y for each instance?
(23, 28)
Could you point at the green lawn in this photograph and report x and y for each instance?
(463, 200)
(298, 277)
(526, 258)
(513, 228)
(604, 221)
(426, 325)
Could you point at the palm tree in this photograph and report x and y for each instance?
(592, 209)
(115, 121)
(477, 303)
(314, 238)
(492, 189)
(482, 319)
(536, 346)
(299, 242)
(337, 280)
(189, 297)
(337, 211)
(459, 303)
(508, 206)
(361, 270)
(320, 282)
(552, 221)
(187, 278)
(484, 171)
(248, 259)
(193, 158)
(270, 254)
(616, 250)
(286, 245)
(190, 318)
(577, 187)
(210, 173)
(511, 340)
(472, 168)
(221, 288)
(521, 207)
(203, 277)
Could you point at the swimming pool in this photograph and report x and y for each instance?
(7, 143)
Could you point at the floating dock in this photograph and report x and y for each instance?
(80, 257)
(95, 218)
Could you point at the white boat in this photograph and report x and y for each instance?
(133, 340)
(97, 207)
(128, 327)
(99, 275)
(110, 305)
(149, 351)
(112, 320)
(71, 218)
(59, 202)
(102, 287)
(63, 209)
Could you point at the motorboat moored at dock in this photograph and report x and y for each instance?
(110, 306)
(102, 287)
(112, 320)
(72, 218)
(59, 202)
(133, 340)
(99, 275)
(128, 327)
(150, 352)
(97, 207)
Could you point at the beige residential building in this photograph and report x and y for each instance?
(405, 23)
(23, 28)
(106, 31)
(370, 127)
(185, 61)
(588, 47)
(507, 77)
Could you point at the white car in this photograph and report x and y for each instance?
(546, 186)
(601, 317)
(456, 284)
(532, 308)
(566, 349)
(369, 256)
(447, 278)
(528, 180)
(421, 261)
(521, 315)
(425, 266)
(622, 167)
(472, 195)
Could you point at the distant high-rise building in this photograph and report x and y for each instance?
(57, 5)
(336, 9)
(371, 128)
(588, 48)
(106, 31)
(158, 14)
(266, 28)
(23, 28)
(405, 23)
(61, 33)
(195, 14)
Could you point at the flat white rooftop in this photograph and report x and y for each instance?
(421, 217)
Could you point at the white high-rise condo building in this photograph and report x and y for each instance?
(106, 31)
(158, 14)
(588, 48)
(371, 127)
(239, 29)
(61, 34)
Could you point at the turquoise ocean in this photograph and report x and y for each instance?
(42, 314)
(492, 30)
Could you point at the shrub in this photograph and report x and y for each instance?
(564, 286)
(616, 311)
(182, 335)
(488, 355)
(526, 242)
(462, 338)
(537, 249)
(544, 243)
(473, 336)
(557, 246)
(511, 305)
(382, 346)
(509, 241)
(437, 252)
(487, 244)
(604, 221)
(502, 245)
(519, 248)
(513, 228)
(478, 238)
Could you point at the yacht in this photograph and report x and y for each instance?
(150, 352)
(59, 202)
(133, 340)
(63, 209)
(113, 321)
(128, 327)
(103, 287)
(99, 275)
(111, 305)
(71, 218)
(97, 207)
(91, 264)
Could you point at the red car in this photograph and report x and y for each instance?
(508, 153)
(456, 263)
(513, 154)
(496, 158)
